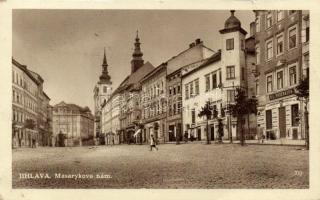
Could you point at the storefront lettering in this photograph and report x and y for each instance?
(281, 94)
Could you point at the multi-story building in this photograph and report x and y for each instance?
(194, 56)
(154, 104)
(215, 81)
(29, 103)
(72, 125)
(281, 36)
(161, 92)
(127, 97)
(102, 92)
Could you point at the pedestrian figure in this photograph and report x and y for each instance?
(153, 143)
(185, 136)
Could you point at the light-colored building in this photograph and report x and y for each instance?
(121, 112)
(194, 56)
(282, 38)
(29, 108)
(215, 81)
(154, 105)
(72, 125)
(102, 92)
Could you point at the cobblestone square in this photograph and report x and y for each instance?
(173, 166)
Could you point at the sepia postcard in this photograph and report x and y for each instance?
(168, 100)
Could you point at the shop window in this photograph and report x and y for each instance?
(294, 115)
(268, 119)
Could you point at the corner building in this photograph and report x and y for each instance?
(280, 36)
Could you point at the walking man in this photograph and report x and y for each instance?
(153, 143)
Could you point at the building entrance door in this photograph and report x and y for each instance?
(212, 132)
(282, 122)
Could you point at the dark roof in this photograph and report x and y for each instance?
(73, 106)
(232, 24)
(46, 95)
(153, 72)
(25, 70)
(214, 58)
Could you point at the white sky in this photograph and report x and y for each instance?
(66, 46)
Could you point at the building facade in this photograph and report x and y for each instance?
(72, 125)
(124, 112)
(154, 105)
(30, 122)
(282, 38)
(194, 56)
(215, 81)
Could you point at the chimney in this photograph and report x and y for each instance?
(198, 41)
(192, 44)
(252, 28)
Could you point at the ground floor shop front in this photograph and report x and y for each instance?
(281, 118)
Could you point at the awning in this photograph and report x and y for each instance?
(137, 132)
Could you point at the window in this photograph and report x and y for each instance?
(292, 37)
(174, 90)
(187, 91)
(179, 107)
(279, 80)
(231, 95)
(257, 88)
(178, 88)
(280, 44)
(196, 83)
(170, 90)
(230, 72)
(230, 44)
(269, 49)
(280, 15)
(104, 89)
(191, 89)
(207, 82)
(269, 119)
(258, 24)
(214, 80)
(269, 83)
(193, 116)
(294, 115)
(220, 77)
(258, 54)
(174, 109)
(292, 75)
(269, 19)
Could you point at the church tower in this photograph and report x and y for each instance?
(102, 93)
(137, 60)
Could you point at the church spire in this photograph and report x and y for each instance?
(104, 77)
(104, 58)
(137, 60)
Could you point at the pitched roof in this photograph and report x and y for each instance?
(214, 58)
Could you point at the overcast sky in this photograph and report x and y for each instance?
(66, 46)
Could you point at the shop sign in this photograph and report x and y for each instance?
(281, 94)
